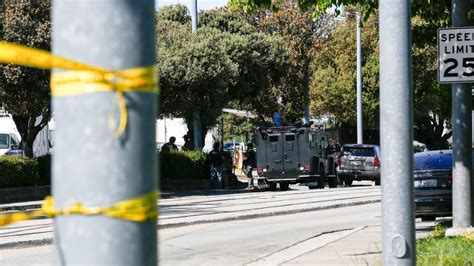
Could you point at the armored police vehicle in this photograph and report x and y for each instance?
(290, 155)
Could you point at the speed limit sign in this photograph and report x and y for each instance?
(456, 55)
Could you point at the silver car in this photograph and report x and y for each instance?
(359, 162)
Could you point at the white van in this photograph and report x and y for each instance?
(9, 136)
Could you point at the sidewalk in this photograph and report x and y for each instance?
(359, 246)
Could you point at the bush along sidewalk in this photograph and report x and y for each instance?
(174, 166)
(18, 172)
(440, 250)
(183, 165)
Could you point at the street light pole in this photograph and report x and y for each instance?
(396, 133)
(197, 126)
(91, 165)
(360, 138)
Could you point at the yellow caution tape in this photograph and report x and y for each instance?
(81, 79)
(139, 209)
(84, 78)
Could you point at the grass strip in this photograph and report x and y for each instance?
(439, 250)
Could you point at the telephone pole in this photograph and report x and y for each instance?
(91, 165)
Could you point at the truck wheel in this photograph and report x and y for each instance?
(377, 181)
(284, 186)
(348, 181)
(428, 218)
(340, 180)
(322, 177)
(272, 186)
(332, 181)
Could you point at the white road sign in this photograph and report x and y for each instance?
(456, 55)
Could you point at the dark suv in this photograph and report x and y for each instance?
(433, 176)
(359, 162)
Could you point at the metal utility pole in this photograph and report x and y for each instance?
(396, 136)
(197, 117)
(360, 132)
(306, 114)
(462, 135)
(90, 164)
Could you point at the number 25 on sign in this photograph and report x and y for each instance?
(456, 55)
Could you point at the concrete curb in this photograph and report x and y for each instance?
(268, 214)
(459, 231)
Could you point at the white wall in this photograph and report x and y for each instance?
(176, 127)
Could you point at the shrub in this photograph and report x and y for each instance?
(183, 165)
(18, 172)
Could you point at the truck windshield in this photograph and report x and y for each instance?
(367, 152)
(4, 141)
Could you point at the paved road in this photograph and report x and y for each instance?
(236, 229)
(260, 241)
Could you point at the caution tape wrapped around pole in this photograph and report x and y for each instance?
(80, 79)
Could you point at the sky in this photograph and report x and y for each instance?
(202, 4)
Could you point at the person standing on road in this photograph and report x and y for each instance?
(250, 163)
(170, 146)
(216, 161)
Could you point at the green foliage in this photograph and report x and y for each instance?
(317, 7)
(432, 110)
(439, 250)
(178, 13)
(18, 172)
(183, 165)
(302, 36)
(25, 91)
(226, 60)
(333, 85)
(445, 251)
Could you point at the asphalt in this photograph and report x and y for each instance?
(359, 246)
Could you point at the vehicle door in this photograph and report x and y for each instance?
(275, 152)
(290, 151)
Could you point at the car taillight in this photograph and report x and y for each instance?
(376, 161)
(306, 167)
(259, 170)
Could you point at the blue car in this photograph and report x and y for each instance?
(433, 176)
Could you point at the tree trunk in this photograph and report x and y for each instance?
(28, 131)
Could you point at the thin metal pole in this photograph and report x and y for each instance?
(91, 165)
(306, 115)
(194, 15)
(360, 132)
(398, 229)
(462, 135)
(197, 126)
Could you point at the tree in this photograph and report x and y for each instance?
(302, 36)
(195, 74)
(25, 91)
(263, 61)
(208, 70)
(432, 104)
(333, 87)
